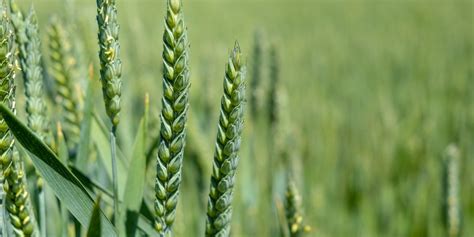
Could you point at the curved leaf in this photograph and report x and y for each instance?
(64, 184)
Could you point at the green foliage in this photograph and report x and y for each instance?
(358, 102)
(173, 116)
(219, 210)
(64, 184)
(94, 229)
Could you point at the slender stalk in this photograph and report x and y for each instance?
(113, 150)
(42, 212)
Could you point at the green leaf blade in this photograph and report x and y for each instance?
(63, 183)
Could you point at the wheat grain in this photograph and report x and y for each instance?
(175, 104)
(219, 210)
(60, 68)
(17, 197)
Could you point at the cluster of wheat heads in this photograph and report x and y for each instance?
(20, 42)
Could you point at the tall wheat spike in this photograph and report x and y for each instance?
(61, 67)
(109, 55)
(451, 189)
(219, 210)
(29, 46)
(17, 197)
(175, 105)
(110, 77)
(33, 78)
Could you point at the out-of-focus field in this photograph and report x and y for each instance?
(376, 91)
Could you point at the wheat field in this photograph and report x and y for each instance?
(333, 118)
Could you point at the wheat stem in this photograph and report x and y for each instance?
(256, 79)
(113, 150)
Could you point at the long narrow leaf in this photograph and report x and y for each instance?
(63, 183)
(136, 180)
(83, 149)
(94, 229)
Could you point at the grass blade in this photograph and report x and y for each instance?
(65, 185)
(85, 135)
(94, 229)
(136, 179)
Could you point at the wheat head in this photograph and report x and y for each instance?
(219, 209)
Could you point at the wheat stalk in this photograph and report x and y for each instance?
(257, 75)
(219, 210)
(17, 197)
(175, 104)
(60, 68)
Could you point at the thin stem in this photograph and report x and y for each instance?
(42, 211)
(114, 175)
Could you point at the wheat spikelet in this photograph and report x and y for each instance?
(60, 68)
(219, 210)
(451, 189)
(294, 216)
(175, 104)
(17, 197)
(109, 52)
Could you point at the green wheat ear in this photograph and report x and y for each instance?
(33, 78)
(109, 52)
(175, 104)
(293, 211)
(17, 197)
(219, 210)
(61, 66)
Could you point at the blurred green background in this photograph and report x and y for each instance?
(375, 91)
